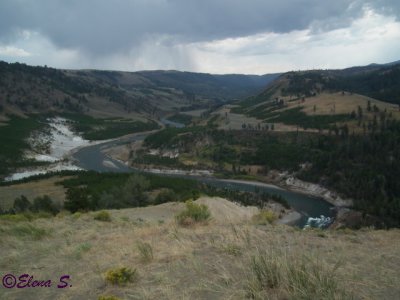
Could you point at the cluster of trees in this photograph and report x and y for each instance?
(39, 204)
(94, 191)
(364, 167)
(256, 198)
(122, 191)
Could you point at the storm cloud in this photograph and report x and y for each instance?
(113, 34)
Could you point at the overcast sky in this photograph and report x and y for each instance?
(215, 36)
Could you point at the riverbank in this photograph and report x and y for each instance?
(313, 189)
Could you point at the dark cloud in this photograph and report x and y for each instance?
(104, 27)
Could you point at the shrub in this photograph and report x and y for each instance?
(130, 194)
(193, 213)
(102, 216)
(165, 196)
(121, 276)
(44, 204)
(21, 204)
(264, 217)
(146, 251)
(77, 200)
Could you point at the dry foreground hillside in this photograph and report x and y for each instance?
(231, 256)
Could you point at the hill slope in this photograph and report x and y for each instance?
(218, 260)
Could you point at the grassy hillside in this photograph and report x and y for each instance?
(219, 259)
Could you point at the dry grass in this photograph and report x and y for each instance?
(336, 103)
(215, 261)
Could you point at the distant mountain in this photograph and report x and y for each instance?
(25, 88)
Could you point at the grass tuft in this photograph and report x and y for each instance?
(145, 251)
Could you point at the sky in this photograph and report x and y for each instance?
(210, 36)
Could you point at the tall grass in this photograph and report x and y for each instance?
(292, 276)
(145, 251)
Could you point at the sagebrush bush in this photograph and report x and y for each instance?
(264, 217)
(103, 216)
(121, 276)
(193, 213)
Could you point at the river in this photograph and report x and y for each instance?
(311, 208)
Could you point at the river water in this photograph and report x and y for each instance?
(310, 208)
